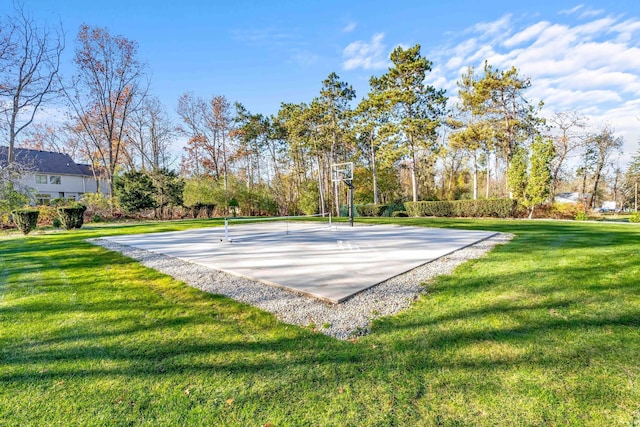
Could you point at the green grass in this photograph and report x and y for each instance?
(542, 331)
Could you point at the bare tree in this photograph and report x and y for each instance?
(605, 143)
(29, 67)
(569, 134)
(208, 125)
(149, 136)
(106, 91)
(49, 137)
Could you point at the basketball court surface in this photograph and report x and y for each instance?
(331, 263)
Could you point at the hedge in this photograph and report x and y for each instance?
(198, 208)
(496, 208)
(26, 219)
(371, 210)
(71, 217)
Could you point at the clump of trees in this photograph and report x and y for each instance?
(407, 141)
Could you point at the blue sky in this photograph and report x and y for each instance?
(579, 55)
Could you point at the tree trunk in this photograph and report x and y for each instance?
(374, 171)
(475, 175)
(414, 178)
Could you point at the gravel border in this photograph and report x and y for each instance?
(346, 320)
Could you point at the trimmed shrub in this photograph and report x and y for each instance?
(200, 209)
(26, 219)
(371, 210)
(71, 216)
(495, 208)
(635, 217)
(402, 214)
(393, 207)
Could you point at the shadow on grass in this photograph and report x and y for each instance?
(125, 320)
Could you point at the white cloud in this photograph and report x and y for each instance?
(572, 10)
(589, 63)
(584, 11)
(367, 55)
(526, 34)
(305, 58)
(499, 26)
(349, 27)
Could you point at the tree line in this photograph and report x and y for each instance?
(407, 139)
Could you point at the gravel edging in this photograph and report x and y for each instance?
(348, 319)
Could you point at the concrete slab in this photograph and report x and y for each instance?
(330, 263)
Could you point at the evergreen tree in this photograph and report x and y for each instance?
(416, 109)
(135, 191)
(540, 175)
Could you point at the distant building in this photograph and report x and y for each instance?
(54, 175)
(574, 197)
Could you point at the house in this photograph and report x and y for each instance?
(53, 175)
(572, 197)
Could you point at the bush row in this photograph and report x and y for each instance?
(67, 216)
(495, 208)
(371, 210)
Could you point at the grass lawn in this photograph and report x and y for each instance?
(542, 331)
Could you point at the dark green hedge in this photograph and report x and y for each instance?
(371, 210)
(71, 216)
(205, 208)
(26, 219)
(496, 208)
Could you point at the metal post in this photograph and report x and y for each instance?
(351, 203)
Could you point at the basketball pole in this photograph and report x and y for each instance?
(350, 185)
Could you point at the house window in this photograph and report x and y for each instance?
(41, 179)
(55, 179)
(43, 199)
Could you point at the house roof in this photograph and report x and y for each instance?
(45, 162)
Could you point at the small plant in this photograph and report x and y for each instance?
(326, 325)
(635, 217)
(56, 223)
(26, 219)
(581, 216)
(96, 218)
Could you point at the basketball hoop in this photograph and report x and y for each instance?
(342, 172)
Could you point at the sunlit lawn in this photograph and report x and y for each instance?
(542, 331)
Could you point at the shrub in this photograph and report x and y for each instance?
(10, 200)
(564, 211)
(497, 208)
(581, 216)
(202, 208)
(393, 207)
(397, 214)
(635, 217)
(47, 215)
(26, 219)
(71, 216)
(371, 210)
(99, 204)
